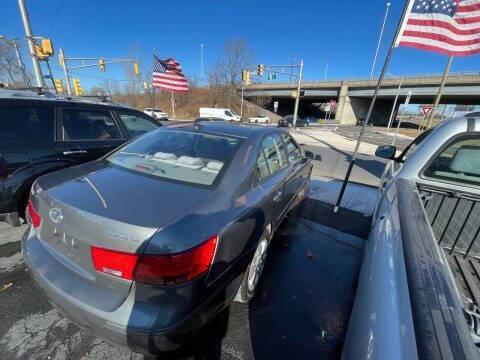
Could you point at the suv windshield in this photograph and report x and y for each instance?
(178, 155)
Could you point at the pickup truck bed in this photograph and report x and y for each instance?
(455, 221)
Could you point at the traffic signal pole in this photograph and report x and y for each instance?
(65, 70)
(31, 44)
(297, 100)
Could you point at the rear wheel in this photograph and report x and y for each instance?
(254, 271)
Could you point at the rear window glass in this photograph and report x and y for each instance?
(459, 162)
(178, 155)
(26, 123)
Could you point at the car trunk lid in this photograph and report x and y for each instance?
(109, 209)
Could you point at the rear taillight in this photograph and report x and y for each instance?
(34, 216)
(157, 269)
(114, 263)
(176, 268)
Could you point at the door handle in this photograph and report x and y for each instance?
(73, 152)
(278, 196)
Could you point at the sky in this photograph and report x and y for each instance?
(343, 33)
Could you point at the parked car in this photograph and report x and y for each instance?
(157, 114)
(225, 114)
(259, 119)
(44, 133)
(287, 121)
(165, 232)
(418, 293)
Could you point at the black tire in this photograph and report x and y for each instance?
(247, 288)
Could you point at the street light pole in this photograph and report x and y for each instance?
(31, 44)
(297, 100)
(390, 120)
(380, 39)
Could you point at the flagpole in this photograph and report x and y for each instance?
(173, 105)
(440, 91)
(400, 28)
(153, 87)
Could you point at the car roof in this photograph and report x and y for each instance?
(229, 129)
(39, 95)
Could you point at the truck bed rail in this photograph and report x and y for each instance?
(441, 330)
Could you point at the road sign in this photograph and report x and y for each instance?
(275, 106)
(332, 103)
(328, 108)
(426, 110)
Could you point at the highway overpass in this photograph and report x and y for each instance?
(354, 96)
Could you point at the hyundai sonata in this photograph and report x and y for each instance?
(145, 245)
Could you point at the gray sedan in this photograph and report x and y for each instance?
(147, 244)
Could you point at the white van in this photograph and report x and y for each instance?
(226, 114)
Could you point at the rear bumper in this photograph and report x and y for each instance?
(135, 323)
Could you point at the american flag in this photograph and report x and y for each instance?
(168, 75)
(449, 27)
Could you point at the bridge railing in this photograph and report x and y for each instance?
(427, 77)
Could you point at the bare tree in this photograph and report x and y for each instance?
(11, 70)
(225, 74)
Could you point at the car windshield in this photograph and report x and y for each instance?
(183, 156)
(234, 113)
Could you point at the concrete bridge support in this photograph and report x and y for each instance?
(351, 110)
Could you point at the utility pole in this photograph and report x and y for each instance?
(440, 91)
(390, 120)
(31, 44)
(63, 64)
(297, 100)
(380, 40)
(241, 104)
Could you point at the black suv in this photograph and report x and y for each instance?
(42, 133)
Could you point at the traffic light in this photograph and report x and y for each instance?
(77, 87)
(247, 80)
(136, 68)
(101, 64)
(260, 70)
(47, 47)
(59, 86)
(45, 50)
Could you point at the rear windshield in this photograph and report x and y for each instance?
(178, 155)
(459, 162)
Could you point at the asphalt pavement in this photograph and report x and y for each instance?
(373, 136)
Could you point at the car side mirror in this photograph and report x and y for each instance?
(309, 155)
(386, 152)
